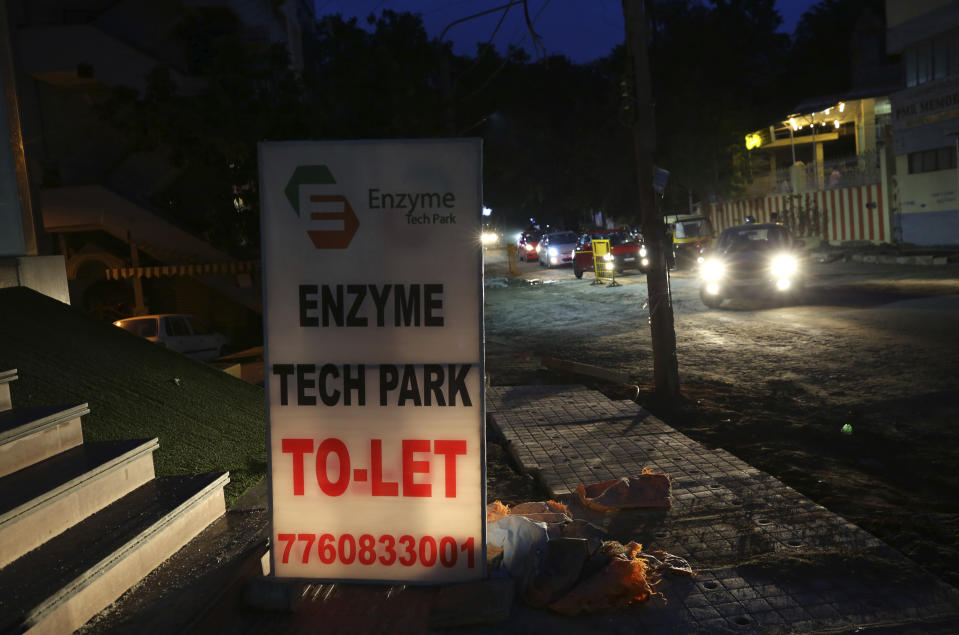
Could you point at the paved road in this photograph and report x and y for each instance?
(862, 328)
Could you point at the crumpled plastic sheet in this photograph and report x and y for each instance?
(523, 542)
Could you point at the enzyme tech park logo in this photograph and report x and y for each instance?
(331, 212)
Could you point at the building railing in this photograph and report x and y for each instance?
(834, 173)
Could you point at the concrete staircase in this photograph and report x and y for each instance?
(80, 523)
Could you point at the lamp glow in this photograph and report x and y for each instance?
(713, 270)
(784, 266)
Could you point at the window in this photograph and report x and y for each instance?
(199, 327)
(933, 59)
(932, 160)
(176, 327)
(144, 327)
(923, 62)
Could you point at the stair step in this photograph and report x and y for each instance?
(31, 435)
(62, 584)
(45, 499)
(6, 376)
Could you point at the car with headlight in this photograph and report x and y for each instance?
(526, 245)
(755, 259)
(556, 248)
(182, 333)
(625, 252)
(490, 236)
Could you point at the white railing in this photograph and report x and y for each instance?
(831, 174)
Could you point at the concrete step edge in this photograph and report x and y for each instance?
(88, 478)
(36, 426)
(48, 609)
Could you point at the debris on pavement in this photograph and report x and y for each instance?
(570, 566)
(547, 512)
(562, 566)
(646, 490)
(621, 582)
(523, 542)
(495, 511)
(627, 576)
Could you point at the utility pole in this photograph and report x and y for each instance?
(663, 332)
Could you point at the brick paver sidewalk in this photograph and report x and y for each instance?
(768, 559)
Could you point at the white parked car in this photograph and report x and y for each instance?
(556, 248)
(181, 333)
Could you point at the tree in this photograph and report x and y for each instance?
(716, 72)
(381, 83)
(820, 59)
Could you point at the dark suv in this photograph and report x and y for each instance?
(752, 259)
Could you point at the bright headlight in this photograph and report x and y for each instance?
(608, 257)
(642, 252)
(784, 266)
(489, 237)
(553, 251)
(713, 270)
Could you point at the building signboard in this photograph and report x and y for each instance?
(925, 117)
(372, 274)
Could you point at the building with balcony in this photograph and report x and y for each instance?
(878, 163)
(90, 197)
(821, 170)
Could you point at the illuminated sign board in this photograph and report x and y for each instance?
(372, 274)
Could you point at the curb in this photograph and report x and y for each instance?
(883, 259)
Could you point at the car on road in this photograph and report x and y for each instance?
(490, 236)
(761, 259)
(526, 245)
(556, 248)
(626, 252)
(182, 333)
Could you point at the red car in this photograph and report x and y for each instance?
(526, 245)
(627, 252)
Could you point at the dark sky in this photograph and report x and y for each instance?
(583, 30)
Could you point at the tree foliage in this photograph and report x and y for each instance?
(557, 140)
(820, 61)
(716, 71)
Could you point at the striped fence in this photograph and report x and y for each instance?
(170, 271)
(835, 215)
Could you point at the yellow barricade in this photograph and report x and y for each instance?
(603, 264)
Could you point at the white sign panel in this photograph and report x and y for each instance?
(374, 362)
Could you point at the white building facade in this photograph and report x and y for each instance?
(925, 121)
